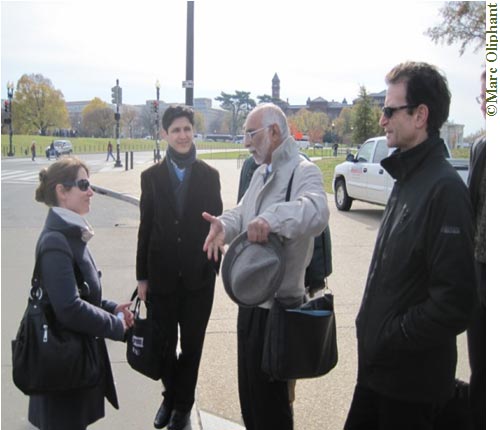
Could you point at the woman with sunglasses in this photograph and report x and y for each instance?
(62, 246)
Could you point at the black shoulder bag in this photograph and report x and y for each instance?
(48, 357)
(300, 342)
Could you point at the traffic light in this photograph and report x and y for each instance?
(154, 106)
(114, 95)
(6, 104)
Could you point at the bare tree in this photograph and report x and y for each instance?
(463, 21)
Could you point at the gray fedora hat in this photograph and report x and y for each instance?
(252, 272)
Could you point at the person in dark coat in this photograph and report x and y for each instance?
(65, 188)
(175, 277)
(420, 291)
(476, 333)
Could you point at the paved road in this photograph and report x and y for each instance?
(321, 403)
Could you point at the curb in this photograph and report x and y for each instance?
(116, 195)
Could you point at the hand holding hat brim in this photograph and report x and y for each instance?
(252, 272)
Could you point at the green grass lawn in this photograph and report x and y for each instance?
(88, 145)
(83, 145)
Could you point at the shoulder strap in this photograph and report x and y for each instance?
(289, 188)
(83, 287)
(324, 255)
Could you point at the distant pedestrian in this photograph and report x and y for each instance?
(33, 150)
(110, 151)
(52, 151)
(335, 149)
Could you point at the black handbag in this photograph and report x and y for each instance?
(456, 413)
(300, 342)
(48, 357)
(146, 345)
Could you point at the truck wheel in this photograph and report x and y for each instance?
(342, 199)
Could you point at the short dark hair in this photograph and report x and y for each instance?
(174, 112)
(424, 85)
(64, 170)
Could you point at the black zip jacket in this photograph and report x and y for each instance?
(420, 288)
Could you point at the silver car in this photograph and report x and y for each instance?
(60, 147)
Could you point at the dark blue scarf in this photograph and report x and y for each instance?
(175, 160)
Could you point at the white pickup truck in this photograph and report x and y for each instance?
(361, 177)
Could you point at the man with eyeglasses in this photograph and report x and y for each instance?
(419, 292)
(476, 333)
(265, 403)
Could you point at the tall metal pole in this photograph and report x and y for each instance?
(10, 94)
(189, 83)
(157, 155)
(118, 162)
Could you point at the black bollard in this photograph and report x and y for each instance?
(131, 160)
(126, 160)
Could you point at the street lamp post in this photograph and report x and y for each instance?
(116, 98)
(10, 94)
(157, 156)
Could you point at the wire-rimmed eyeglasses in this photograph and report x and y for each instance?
(250, 134)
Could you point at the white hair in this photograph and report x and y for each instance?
(272, 114)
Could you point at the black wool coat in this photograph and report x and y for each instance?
(170, 245)
(59, 246)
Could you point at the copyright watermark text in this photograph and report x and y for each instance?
(491, 58)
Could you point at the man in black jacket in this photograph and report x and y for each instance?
(173, 272)
(420, 289)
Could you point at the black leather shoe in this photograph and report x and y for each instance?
(162, 416)
(178, 420)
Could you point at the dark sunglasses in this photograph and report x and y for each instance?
(389, 111)
(82, 184)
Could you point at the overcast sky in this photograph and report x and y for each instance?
(317, 48)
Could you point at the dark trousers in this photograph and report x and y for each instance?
(373, 411)
(186, 312)
(476, 342)
(264, 403)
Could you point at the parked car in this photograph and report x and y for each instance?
(361, 177)
(60, 147)
(318, 146)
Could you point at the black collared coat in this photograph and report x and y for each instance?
(170, 245)
(420, 288)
